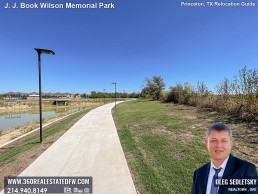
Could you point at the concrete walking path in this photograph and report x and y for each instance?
(91, 147)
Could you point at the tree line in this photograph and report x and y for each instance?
(94, 94)
(237, 97)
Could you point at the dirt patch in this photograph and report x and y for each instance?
(178, 154)
(190, 117)
(148, 120)
(183, 134)
(11, 134)
(136, 126)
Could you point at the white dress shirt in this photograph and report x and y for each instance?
(212, 173)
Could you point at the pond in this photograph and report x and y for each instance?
(10, 121)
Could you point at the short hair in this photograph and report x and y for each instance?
(219, 127)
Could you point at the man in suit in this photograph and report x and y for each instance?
(219, 142)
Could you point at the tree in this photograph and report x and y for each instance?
(153, 87)
(202, 89)
(180, 93)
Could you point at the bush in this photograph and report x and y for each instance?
(237, 97)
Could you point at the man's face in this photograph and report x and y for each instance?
(219, 145)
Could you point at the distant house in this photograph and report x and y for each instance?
(33, 97)
(12, 98)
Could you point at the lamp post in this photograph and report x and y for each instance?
(115, 93)
(124, 94)
(104, 95)
(39, 51)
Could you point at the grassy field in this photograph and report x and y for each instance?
(17, 156)
(163, 144)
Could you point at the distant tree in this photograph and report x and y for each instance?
(145, 93)
(248, 88)
(133, 95)
(224, 87)
(180, 93)
(202, 89)
(84, 95)
(153, 87)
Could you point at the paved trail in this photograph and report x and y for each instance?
(89, 148)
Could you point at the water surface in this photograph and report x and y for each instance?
(11, 121)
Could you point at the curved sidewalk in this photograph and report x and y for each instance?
(91, 147)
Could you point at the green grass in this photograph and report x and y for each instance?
(161, 148)
(10, 154)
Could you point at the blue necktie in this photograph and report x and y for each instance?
(214, 188)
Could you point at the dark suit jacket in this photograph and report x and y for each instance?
(235, 168)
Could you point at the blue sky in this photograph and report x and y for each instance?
(137, 39)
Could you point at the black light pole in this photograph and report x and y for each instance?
(104, 95)
(115, 93)
(39, 51)
(124, 95)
